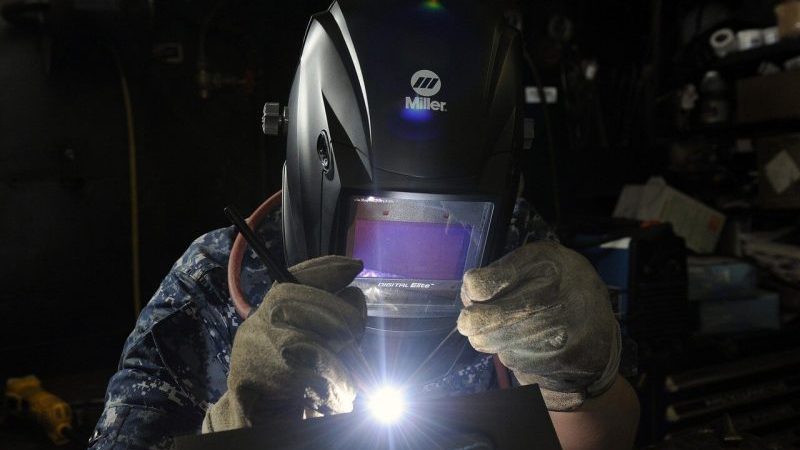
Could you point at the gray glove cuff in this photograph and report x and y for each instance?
(569, 401)
(208, 426)
(226, 414)
(605, 381)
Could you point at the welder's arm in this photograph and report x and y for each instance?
(145, 406)
(172, 365)
(605, 422)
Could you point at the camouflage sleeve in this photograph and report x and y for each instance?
(145, 407)
(175, 362)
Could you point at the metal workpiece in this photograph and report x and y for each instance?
(501, 419)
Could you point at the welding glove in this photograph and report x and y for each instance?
(545, 312)
(287, 355)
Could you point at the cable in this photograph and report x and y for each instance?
(134, 188)
(424, 364)
(243, 308)
(449, 371)
(548, 130)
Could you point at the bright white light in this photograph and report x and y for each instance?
(387, 404)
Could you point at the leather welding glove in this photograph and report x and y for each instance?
(286, 355)
(545, 312)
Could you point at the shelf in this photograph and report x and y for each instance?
(743, 130)
(777, 53)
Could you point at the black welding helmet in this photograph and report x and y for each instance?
(404, 129)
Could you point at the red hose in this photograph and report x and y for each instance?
(503, 377)
(238, 251)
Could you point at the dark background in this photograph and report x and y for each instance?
(66, 297)
(64, 175)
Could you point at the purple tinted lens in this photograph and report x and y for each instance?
(412, 250)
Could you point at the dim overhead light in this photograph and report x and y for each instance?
(432, 5)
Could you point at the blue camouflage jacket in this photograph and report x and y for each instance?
(174, 364)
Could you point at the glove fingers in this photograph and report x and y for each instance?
(355, 298)
(308, 310)
(479, 318)
(501, 277)
(320, 375)
(535, 335)
(549, 372)
(520, 304)
(330, 273)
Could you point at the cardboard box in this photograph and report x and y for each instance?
(779, 171)
(698, 224)
(768, 97)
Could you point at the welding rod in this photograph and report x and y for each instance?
(276, 271)
(424, 364)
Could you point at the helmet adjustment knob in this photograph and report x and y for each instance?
(274, 119)
(324, 151)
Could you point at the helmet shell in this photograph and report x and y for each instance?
(400, 96)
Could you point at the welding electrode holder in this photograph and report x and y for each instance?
(281, 274)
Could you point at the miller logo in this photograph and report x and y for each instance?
(426, 84)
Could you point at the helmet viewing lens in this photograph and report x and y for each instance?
(415, 251)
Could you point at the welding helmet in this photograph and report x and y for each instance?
(403, 134)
